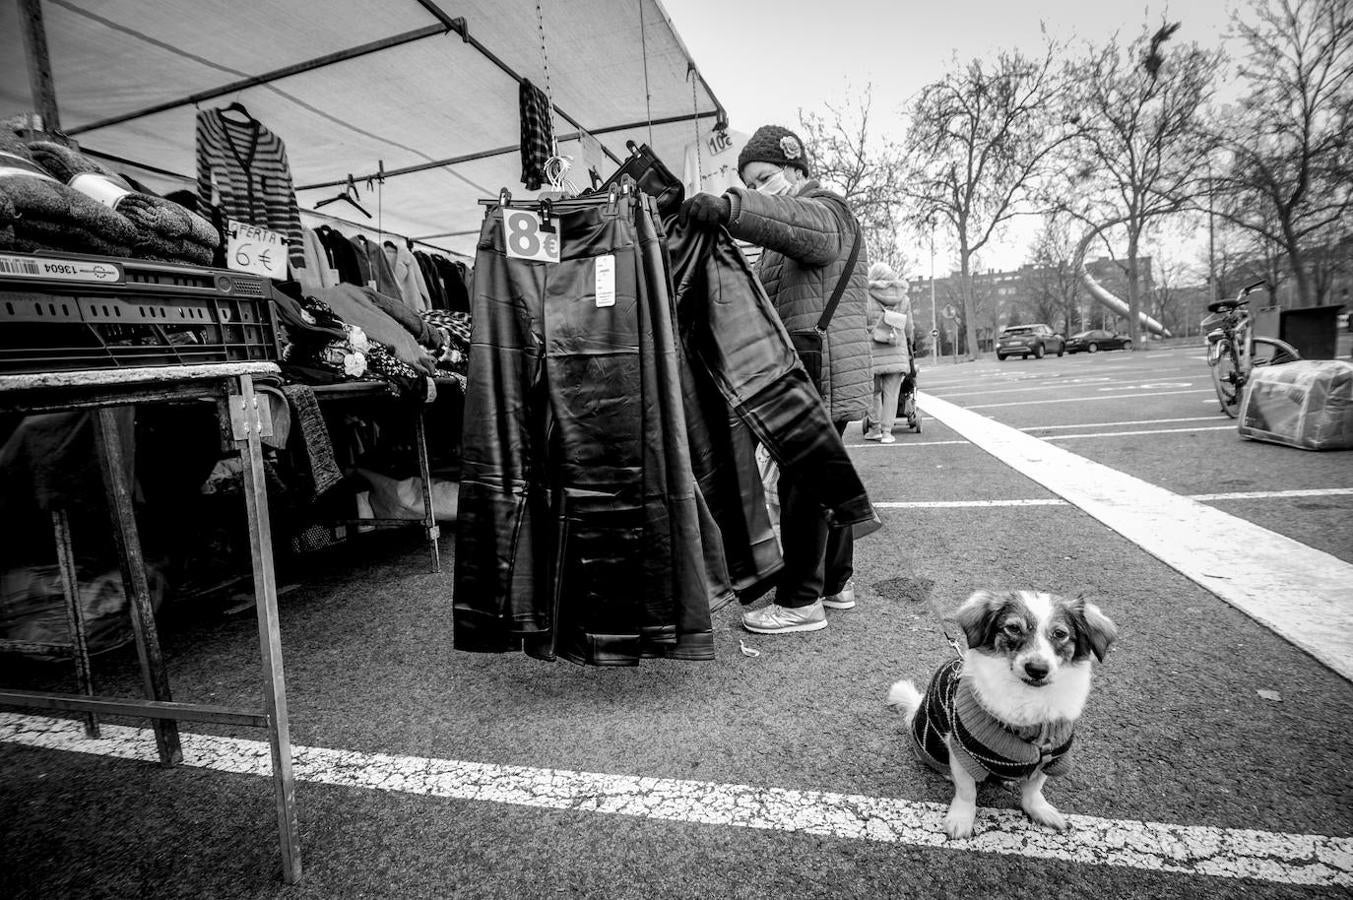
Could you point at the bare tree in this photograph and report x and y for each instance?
(863, 167)
(1290, 181)
(1174, 279)
(1050, 279)
(980, 142)
(1142, 145)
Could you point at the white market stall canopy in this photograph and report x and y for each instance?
(426, 91)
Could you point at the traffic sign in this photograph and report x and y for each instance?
(949, 311)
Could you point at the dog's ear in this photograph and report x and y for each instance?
(1095, 632)
(977, 616)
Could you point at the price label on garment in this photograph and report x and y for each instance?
(531, 237)
(605, 286)
(257, 250)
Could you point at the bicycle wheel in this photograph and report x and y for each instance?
(1226, 377)
(1273, 352)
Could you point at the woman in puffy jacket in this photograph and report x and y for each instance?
(891, 333)
(808, 235)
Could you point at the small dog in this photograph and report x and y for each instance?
(1007, 709)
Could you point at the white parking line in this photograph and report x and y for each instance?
(1305, 859)
(1273, 495)
(966, 504)
(1116, 424)
(1072, 437)
(904, 444)
(1084, 399)
(1056, 501)
(1296, 591)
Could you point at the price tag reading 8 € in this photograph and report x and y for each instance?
(530, 237)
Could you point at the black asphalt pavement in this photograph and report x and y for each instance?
(1212, 760)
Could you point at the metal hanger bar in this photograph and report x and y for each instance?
(513, 148)
(360, 227)
(190, 179)
(446, 234)
(310, 65)
(420, 167)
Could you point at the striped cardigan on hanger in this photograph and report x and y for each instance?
(247, 165)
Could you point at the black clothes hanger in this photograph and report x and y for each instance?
(348, 194)
(238, 107)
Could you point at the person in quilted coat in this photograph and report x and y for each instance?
(808, 234)
(893, 335)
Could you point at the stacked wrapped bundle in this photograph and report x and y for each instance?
(165, 230)
(38, 212)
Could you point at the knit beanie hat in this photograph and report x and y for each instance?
(881, 273)
(777, 146)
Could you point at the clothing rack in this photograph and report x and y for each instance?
(547, 206)
(361, 227)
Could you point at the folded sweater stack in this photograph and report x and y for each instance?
(38, 212)
(165, 230)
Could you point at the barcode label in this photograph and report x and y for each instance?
(97, 272)
(10, 265)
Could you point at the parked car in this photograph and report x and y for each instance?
(1097, 339)
(1029, 340)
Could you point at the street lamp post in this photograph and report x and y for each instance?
(934, 326)
(1214, 292)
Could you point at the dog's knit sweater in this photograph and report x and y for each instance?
(983, 744)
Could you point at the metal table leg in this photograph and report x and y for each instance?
(107, 437)
(75, 615)
(430, 527)
(269, 634)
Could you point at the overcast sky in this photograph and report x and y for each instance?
(764, 60)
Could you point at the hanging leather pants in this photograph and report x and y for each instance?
(579, 532)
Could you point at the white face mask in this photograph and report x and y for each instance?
(776, 185)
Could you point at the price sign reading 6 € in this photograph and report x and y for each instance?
(531, 237)
(253, 249)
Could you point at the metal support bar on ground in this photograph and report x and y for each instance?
(145, 709)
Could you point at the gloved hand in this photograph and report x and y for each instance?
(706, 211)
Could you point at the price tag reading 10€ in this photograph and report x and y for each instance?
(530, 237)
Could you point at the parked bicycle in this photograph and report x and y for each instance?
(1233, 349)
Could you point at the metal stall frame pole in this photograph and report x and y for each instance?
(40, 81)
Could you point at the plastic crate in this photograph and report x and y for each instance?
(65, 312)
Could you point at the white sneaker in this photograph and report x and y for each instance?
(776, 619)
(873, 436)
(887, 438)
(843, 600)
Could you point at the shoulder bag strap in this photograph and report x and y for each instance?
(841, 285)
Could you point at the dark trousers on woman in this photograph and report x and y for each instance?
(819, 560)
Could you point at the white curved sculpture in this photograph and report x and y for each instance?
(1102, 294)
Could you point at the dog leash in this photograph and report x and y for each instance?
(958, 651)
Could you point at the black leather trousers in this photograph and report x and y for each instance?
(579, 529)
